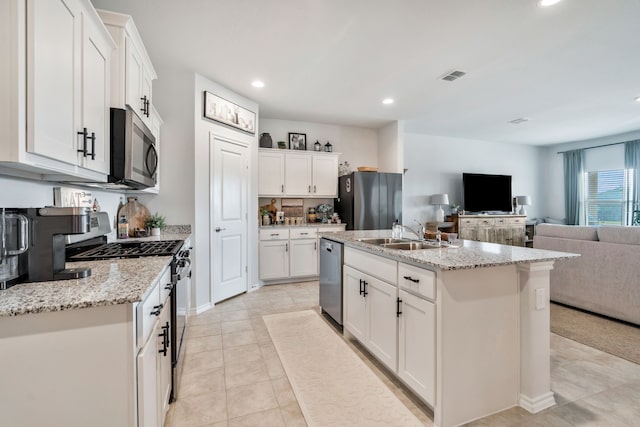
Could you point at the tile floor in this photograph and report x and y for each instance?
(233, 376)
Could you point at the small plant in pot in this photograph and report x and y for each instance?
(155, 223)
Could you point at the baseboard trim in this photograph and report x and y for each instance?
(201, 309)
(538, 404)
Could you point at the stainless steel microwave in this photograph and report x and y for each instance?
(134, 157)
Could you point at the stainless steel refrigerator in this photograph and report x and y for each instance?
(369, 200)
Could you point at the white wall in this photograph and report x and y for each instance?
(552, 170)
(358, 146)
(435, 165)
(201, 167)
(391, 147)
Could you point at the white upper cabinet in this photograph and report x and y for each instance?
(271, 173)
(298, 173)
(55, 72)
(132, 72)
(325, 176)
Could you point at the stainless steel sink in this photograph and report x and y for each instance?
(411, 246)
(383, 240)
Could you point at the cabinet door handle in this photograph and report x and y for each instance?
(314, 188)
(411, 278)
(286, 247)
(93, 146)
(315, 246)
(84, 142)
(282, 188)
(309, 189)
(398, 302)
(144, 105)
(218, 229)
(303, 234)
(274, 234)
(361, 286)
(157, 309)
(168, 286)
(364, 288)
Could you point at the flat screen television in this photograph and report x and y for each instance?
(486, 193)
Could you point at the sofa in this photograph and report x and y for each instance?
(605, 279)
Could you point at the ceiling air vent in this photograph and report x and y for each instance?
(518, 121)
(453, 75)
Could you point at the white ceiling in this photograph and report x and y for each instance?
(572, 69)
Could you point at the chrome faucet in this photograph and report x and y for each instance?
(419, 233)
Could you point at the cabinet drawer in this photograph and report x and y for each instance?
(382, 268)
(147, 313)
(274, 234)
(303, 233)
(417, 280)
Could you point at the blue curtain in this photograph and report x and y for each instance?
(632, 161)
(573, 179)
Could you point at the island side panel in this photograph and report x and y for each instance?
(535, 312)
(478, 349)
(71, 368)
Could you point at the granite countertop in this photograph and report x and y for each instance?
(117, 281)
(463, 254)
(306, 224)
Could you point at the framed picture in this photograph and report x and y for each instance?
(297, 141)
(223, 111)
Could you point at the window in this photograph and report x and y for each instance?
(607, 196)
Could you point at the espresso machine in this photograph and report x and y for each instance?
(14, 241)
(39, 255)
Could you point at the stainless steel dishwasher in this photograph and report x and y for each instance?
(331, 278)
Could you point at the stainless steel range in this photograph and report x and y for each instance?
(97, 248)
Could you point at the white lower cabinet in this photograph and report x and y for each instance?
(274, 259)
(417, 345)
(287, 253)
(391, 310)
(370, 314)
(303, 257)
(154, 359)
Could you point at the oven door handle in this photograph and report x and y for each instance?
(183, 271)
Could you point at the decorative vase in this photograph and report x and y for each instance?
(155, 231)
(265, 140)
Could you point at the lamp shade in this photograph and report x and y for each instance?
(523, 200)
(440, 199)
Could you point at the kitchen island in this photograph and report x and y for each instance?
(465, 326)
(91, 351)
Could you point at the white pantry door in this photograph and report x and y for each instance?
(229, 192)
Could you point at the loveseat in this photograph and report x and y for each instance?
(605, 279)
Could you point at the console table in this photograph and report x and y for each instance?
(502, 229)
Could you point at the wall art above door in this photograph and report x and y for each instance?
(223, 111)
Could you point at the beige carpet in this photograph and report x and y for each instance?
(333, 386)
(617, 338)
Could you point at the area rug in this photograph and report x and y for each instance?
(333, 386)
(610, 336)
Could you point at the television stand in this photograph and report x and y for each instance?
(503, 229)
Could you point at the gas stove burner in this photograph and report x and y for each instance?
(133, 249)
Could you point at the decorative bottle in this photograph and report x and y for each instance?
(123, 227)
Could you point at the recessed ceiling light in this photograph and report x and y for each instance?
(547, 3)
(257, 83)
(387, 101)
(638, 99)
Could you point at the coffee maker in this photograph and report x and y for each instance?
(14, 241)
(42, 257)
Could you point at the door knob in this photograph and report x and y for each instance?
(218, 229)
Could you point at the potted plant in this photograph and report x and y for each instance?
(155, 223)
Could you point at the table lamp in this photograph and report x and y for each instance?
(523, 201)
(440, 199)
